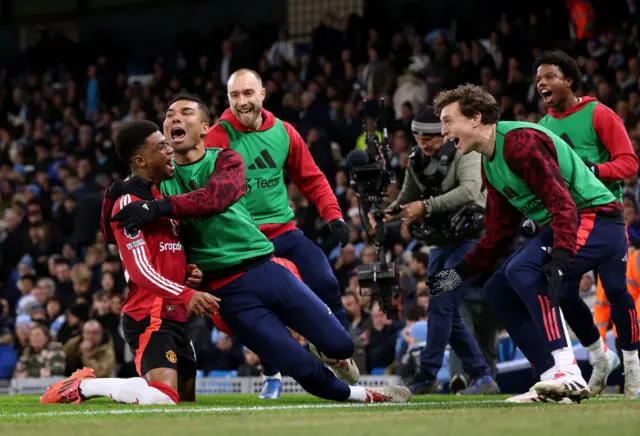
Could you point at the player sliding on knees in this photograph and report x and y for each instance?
(156, 308)
(260, 295)
(270, 148)
(529, 172)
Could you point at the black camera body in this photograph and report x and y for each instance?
(467, 223)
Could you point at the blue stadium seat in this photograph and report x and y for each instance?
(219, 374)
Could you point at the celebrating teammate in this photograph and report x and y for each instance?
(530, 171)
(260, 295)
(156, 308)
(270, 147)
(599, 137)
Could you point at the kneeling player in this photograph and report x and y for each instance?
(260, 295)
(156, 308)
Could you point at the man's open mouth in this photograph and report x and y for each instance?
(178, 133)
(546, 94)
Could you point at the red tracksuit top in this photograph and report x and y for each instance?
(155, 268)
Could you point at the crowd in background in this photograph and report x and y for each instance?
(61, 287)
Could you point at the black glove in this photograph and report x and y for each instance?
(134, 185)
(340, 229)
(135, 214)
(592, 167)
(448, 280)
(528, 228)
(554, 270)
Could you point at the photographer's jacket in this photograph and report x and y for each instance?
(462, 184)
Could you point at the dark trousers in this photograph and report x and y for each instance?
(605, 249)
(260, 305)
(445, 324)
(517, 292)
(316, 272)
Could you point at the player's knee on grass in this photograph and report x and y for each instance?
(340, 347)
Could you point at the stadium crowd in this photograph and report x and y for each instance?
(62, 287)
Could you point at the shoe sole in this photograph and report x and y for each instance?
(458, 383)
(557, 393)
(399, 394)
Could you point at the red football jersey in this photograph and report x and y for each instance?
(155, 268)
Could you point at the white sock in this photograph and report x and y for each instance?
(125, 390)
(548, 374)
(276, 376)
(630, 359)
(564, 358)
(358, 393)
(597, 349)
(100, 387)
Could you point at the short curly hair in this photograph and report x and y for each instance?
(565, 63)
(472, 100)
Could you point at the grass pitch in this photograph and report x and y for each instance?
(305, 415)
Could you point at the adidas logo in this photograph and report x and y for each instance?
(263, 161)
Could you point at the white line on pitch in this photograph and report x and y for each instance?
(247, 409)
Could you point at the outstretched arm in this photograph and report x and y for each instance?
(225, 186)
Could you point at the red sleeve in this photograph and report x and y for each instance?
(531, 155)
(137, 263)
(225, 186)
(305, 174)
(613, 134)
(217, 137)
(501, 221)
(107, 233)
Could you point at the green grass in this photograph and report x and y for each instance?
(305, 415)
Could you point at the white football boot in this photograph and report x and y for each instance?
(388, 394)
(602, 368)
(564, 384)
(533, 397)
(346, 370)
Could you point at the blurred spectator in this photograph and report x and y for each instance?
(43, 357)
(224, 354)
(93, 349)
(380, 339)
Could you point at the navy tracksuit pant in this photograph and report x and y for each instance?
(258, 307)
(316, 273)
(445, 324)
(517, 292)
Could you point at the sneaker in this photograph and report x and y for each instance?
(564, 384)
(458, 383)
(424, 387)
(271, 389)
(388, 394)
(346, 370)
(481, 386)
(632, 382)
(602, 368)
(533, 397)
(67, 391)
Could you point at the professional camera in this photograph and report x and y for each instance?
(370, 177)
(450, 228)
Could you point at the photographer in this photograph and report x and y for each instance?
(442, 202)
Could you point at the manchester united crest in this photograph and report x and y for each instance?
(171, 356)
